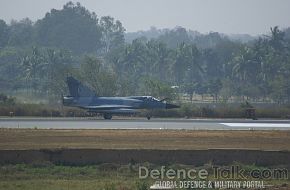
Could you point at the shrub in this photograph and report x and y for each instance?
(142, 185)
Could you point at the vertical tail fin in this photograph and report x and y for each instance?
(77, 89)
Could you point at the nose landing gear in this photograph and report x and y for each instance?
(148, 116)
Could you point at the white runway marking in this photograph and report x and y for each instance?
(283, 125)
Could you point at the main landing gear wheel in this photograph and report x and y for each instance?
(107, 116)
(148, 117)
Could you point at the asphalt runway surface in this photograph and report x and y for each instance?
(142, 123)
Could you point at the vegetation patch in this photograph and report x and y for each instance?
(104, 176)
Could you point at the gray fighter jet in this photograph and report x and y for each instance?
(83, 97)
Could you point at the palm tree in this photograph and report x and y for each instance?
(32, 65)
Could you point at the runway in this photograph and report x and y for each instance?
(141, 123)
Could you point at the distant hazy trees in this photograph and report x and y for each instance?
(4, 34)
(44, 70)
(37, 58)
(263, 68)
(100, 78)
(112, 33)
(73, 27)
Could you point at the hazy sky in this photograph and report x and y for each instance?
(227, 16)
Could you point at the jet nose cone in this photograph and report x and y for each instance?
(171, 106)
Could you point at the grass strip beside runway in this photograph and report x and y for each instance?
(21, 139)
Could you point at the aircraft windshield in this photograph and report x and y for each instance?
(152, 98)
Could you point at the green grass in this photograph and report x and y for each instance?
(46, 176)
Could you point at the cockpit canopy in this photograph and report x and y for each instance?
(146, 98)
(150, 98)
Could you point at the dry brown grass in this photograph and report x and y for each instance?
(143, 139)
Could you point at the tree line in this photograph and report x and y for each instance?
(36, 58)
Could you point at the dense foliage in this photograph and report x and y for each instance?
(36, 58)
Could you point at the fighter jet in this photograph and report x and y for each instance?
(83, 97)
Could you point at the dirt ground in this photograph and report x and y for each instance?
(143, 139)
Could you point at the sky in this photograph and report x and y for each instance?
(226, 16)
